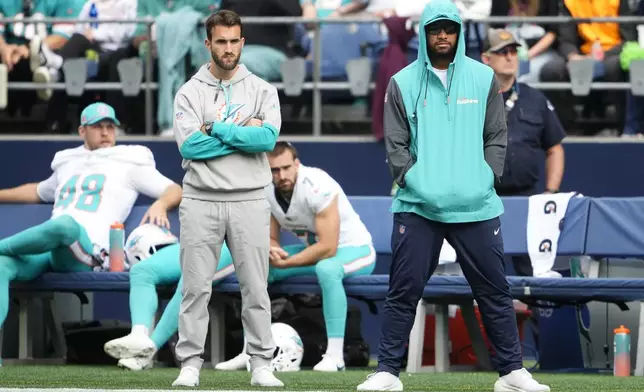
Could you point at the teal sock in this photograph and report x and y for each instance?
(168, 325)
(334, 298)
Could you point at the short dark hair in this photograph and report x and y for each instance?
(223, 18)
(281, 147)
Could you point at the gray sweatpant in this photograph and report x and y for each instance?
(245, 225)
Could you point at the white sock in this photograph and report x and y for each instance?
(53, 73)
(53, 60)
(335, 349)
(136, 329)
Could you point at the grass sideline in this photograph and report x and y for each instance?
(58, 378)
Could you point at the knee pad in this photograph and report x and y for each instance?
(327, 271)
(65, 228)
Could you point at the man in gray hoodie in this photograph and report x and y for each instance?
(225, 120)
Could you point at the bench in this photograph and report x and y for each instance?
(440, 290)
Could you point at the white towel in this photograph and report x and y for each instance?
(448, 254)
(545, 220)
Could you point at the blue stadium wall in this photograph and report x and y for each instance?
(594, 168)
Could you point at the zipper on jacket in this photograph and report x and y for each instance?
(447, 92)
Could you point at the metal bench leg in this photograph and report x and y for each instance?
(217, 313)
(24, 339)
(639, 359)
(442, 343)
(473, 329)
(417, 339)
(55, 328)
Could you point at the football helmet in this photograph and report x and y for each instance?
(146, 240)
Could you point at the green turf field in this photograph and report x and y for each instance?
(56, 377)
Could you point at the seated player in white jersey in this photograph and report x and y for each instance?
(92, 186)
(336, 244)
(153, 254)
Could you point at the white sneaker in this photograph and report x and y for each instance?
(42, 75)
(240, 362)
(519, 381)
(264, 377)
(136, 364)
(188, 377)
(549, 274)
(381, 381)
(129, 346)
(35, 53)
(328, 364)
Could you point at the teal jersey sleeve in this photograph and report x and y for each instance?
(66, 9)
(142, 11)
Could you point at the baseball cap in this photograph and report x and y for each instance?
(498, 39)
(97, 112)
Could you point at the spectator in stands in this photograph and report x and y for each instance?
(475, 32)
(266, 46)
(539, 41)
(97, 42)
(15, 38)
(91, 187)
(533, 129)
(331, 8)
(171, 19)
(601, 41)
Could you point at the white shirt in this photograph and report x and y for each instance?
(314, 191)
(442, 75)
(110, 36)
(100, 187)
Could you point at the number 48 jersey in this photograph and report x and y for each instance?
(99, 187)
(314, 191)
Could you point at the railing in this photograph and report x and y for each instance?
(317, 86)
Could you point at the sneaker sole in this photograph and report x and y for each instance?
(119, 351)
(42, 78)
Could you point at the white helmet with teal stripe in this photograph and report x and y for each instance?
(146, 240)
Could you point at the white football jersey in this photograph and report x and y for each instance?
(98, 188)
(314, 191)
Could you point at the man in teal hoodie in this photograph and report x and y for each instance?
(445, 136)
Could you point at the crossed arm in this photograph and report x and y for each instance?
(201, 140)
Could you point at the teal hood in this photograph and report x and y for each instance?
(437, 10)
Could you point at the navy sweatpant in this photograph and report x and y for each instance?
(416, 244)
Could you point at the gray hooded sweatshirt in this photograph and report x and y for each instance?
(228, 161)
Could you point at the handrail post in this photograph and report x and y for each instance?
(317, 76)
(148, 79)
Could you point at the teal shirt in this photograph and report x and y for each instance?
(19, 33)
(445, 145)
(154, 8)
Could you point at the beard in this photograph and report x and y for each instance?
(227, 66)
(441, 54)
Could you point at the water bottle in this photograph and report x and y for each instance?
(597, 51)
(622, 352)
(93, 14)
(117, 247)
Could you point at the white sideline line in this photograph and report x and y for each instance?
(125, 390)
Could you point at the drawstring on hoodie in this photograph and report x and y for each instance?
(226, 90)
